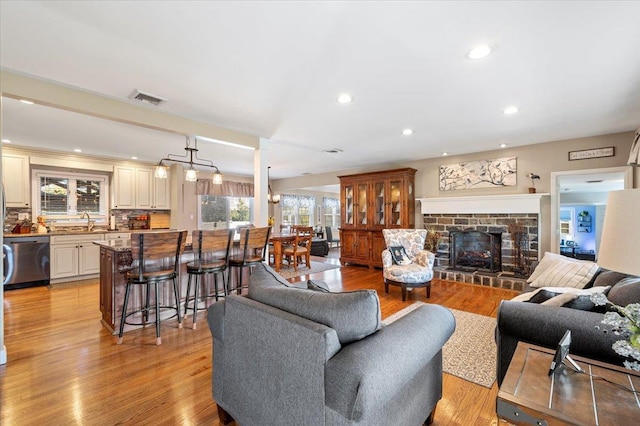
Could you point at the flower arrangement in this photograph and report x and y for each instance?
(432, 242)
(625, 322)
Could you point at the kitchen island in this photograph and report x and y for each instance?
(115, 261)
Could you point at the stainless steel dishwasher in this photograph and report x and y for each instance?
(26, 261)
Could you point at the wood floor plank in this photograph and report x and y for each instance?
(65, 368)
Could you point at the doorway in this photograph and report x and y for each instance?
(578, 205)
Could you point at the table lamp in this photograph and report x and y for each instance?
(620, 243)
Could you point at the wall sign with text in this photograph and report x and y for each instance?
(586, 154)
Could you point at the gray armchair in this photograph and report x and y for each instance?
(294, 356)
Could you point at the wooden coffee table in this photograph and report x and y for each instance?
(529, 396)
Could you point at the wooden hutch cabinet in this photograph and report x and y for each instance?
(369, 203)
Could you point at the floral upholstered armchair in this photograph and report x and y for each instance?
(411, 271)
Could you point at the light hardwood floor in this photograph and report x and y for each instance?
(65, 368)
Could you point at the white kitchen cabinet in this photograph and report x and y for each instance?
(138, 188)
(15, 176)
(74, 256)
(117, 236)
(124, 188)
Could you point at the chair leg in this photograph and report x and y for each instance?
(386, 287)
(404, 292)
(158, 341)
(176, 293)
(186, 300)
(195, 301)
(124, 312)
(429, 289)
(239, 283)
(145, 315)
(224, 417)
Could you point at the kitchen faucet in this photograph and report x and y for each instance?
(89, 224)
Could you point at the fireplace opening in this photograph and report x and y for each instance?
(475, 251)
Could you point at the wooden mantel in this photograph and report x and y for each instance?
(511, 203)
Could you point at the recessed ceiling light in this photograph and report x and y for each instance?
(6, 141)
(134, 158)
(77, 150)
(444, 154)
(510, 110)
(479, 52)
(407, 132)
(503, 145)
(24, 101)
(345, 98)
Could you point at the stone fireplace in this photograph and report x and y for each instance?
(476, 245)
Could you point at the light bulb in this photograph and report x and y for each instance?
(161, 172)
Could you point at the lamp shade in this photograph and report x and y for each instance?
(620, 243)
(634, 155)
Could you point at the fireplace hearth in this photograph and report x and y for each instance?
(472, 250)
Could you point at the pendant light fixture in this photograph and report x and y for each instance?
(271, 197)
(191, 174)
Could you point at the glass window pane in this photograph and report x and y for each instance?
(88, 195)
(54, 195)
(213, 212)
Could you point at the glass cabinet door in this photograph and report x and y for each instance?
(349, 205)
(362, 204)
(395, 202)
(379, 200)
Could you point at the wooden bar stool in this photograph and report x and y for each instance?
(158, 255)
(211, 249)
(251, 251)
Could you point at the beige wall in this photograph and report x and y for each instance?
(541, 159)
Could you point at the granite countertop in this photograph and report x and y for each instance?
(75, 232)
(119, 245)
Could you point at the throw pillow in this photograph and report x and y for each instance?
(625, 291)
(399, 255)
(567, 296)
(555, 270)
(318, 285)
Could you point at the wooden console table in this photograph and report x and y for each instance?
(529, 396)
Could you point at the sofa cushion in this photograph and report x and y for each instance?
(625, 291)
(563, 296)
(605, 277)
(555, 270)
(353, 315)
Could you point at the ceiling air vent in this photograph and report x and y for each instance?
(333, 151)
(147, 98)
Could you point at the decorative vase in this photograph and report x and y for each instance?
(532, 190)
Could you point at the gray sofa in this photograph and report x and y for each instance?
(297, 356)
(545, 325)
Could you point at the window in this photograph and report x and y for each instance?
(66, 195)
(218, 212)
(297, 210)
(331, 211)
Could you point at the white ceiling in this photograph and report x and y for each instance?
(274, 69)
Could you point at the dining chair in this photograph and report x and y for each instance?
(301, 246)
(211, 252)
(250, 251)
(158, 260)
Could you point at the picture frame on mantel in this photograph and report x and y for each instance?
(586, 154)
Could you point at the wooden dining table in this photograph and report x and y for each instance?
(279, 240)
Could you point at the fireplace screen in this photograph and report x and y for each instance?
(474, 250)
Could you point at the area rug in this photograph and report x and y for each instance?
(470, 353)
(288, 272)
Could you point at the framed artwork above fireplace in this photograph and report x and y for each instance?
(479, 174)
